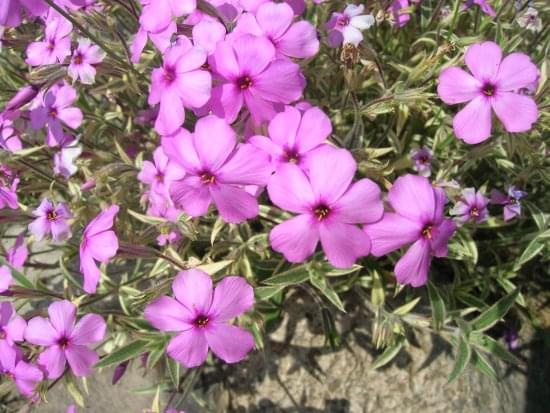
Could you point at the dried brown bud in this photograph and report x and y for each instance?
(349, 55)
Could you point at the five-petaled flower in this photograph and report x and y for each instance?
(51, 219)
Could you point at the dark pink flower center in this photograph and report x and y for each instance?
(78, 58)
(10, 376)
(321, 211)
(2, 334)
(169, 74)
(427, 232)
(343, 21)
(292, 156)
(244, 82)
(63, 342)
(208, 178)
(51, 45)
(159, 177)
(488, 89)
(474, 212)
(201, 321)
(423, 160)
(53, 113)
(51, 215)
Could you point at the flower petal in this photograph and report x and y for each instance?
(516, 71)
(516, 112)
(253, 53)
(167, 314)
(413, 197)
(315, 128)
(289, 189)
(89, 329)
(296, 238)
(81, 359)
(193, 289)
(103, 246)
(233, 296)
(473, 123)
(214, 141)
(39, 331)
(412, 268)
(62, 316)
(391, 233)
(247, 165)
(53, 361)
(230, 343)
(483, 60)
(189, 348)
(343, 243)
(300, 41)
(360, 204)
(284, 127)
(191, 195)
(457, 86)
(234, 204)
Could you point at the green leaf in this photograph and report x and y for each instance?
(146, 219)
(387, 356)
(73, 390)
(463, 355)
(482, 364)
(378, 294)
(127, 352)
(406, 308)
(491, 346)
(214, 267)
(493, 314)
(174, 371)
(20, 278)
(319, 281)
(265, 293)
(293, 276)
(438, 306)
(532, 250)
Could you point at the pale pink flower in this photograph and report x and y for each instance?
(85, 57)
(201, 314)
(66, 340)
(51, 219)
(472, 206)
(12, 325)
(346, 27)
(56, 45)
(8, 188)
(26, 376)
(156, 15)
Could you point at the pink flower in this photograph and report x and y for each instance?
(216, 169)
(66, 341)
(12, 325)
(63, 160)
(511, 201)
(8, 188)
(346, 27)
(83, 60)
(276, 22)
(418, 219)
(22, 97)
(51, 219)
(25, 375)
(329, 207)
(56, 45)
(472, 206)
(201, 315)
(156, 15)
(207, 34)
(400, 17)
(11, 10)
(5, 278)
(422, 161)
(250, 74)
(98, 243)
(294, 136)
(9, 135)
(18, 253)
(161, 173)
(179, 83)
(493, 85)
(483, 4)
(57, 110)
(161, 40)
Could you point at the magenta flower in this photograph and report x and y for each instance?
(294, 136)
(179, 83)
(64, 159)
(400, 16)
(511, 201)
(417, 219)
(346, 27)
(25, 375)
(472, 206)
(156, 15)
(207, 34)
(83, 61)
(422, 161)
(483, 5)
(201, 314)
(51, 219)
(9, 135)
(66, 340)
(160, 173)
(11, 11)
(12, 325)
(5, 278)
(250, 74)
(276, 22)
(8, 188)
(56, 45)
(18, 253)
(99, 243)
(22, 97)
(161, 40)
(493, 85)
(216, 169)
(329, 206)
(57, 110)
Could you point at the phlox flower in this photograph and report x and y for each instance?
(252, 6)
(417, 218)
(51, 219)
(346, 27)
(83, 61)
(25, 376)
(8, 188)
(483, 5)
(9, 135)
(200, 315)
(12, 325)
(179, 83)
(422, 161)
(99, 243)
(66, 340)
(11, 11)
(249, 73)
(400, 17)
(207, 34)
(217, 169)
(156, 15)
(294, 136)
(530, 19)
(511, 201)
(18, 253)
(56, 110)
(5, 278)
(56, 45)
(329, 206)
(472, 206)
(64, 159)
(162, 40)
(22, 97)
(276, 22)
(492, 86)
(160, 173)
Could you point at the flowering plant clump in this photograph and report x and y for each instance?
(170, 170)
